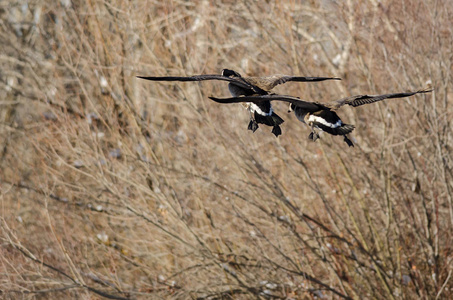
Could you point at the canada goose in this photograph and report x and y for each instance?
(318, 115)
(261, 112)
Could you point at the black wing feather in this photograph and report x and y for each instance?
(286, 78)
(237, 81)
(185, 78)
(311, 106)
(367, 99)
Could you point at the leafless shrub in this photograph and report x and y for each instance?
(118, 188)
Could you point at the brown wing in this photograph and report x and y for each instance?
(237, 81)
(267, 83)
(366, 99)
(286, 78)
(310, 106)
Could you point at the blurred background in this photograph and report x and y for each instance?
(115, 187)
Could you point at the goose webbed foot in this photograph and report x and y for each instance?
(348, 141)
(253, 126)
(277, 130)
(313, 136)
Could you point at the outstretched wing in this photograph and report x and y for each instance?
(237, 81)
(285, 78)
(310, 106)
(366, 99)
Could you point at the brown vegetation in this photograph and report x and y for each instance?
(114, 187)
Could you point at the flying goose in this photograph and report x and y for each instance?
(260, 112)
(318, 115)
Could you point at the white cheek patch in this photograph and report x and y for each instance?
(255, 108)
(313, 118)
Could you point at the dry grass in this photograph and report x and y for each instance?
(112, 187)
